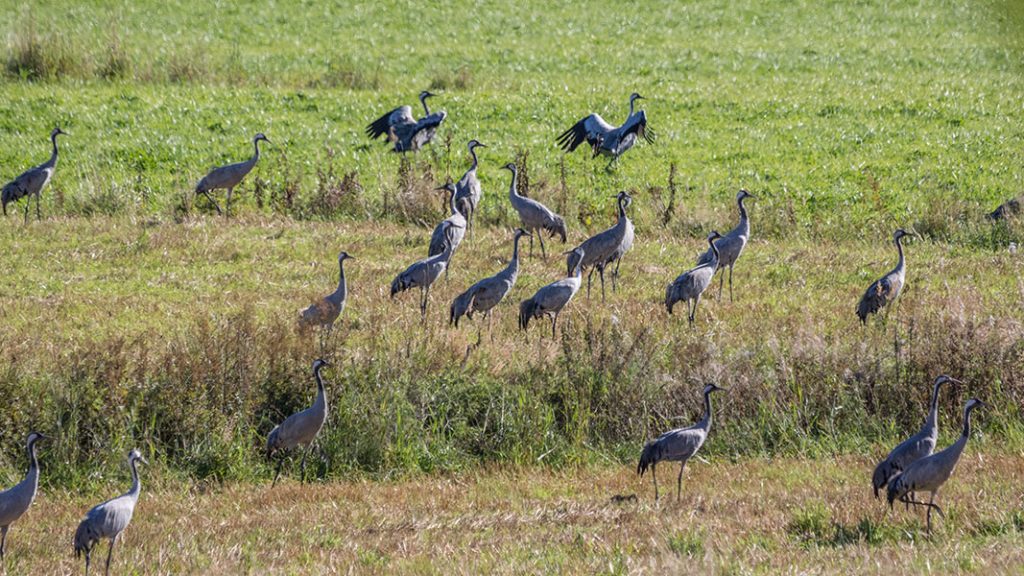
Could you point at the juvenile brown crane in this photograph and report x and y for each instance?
(32, 181)
(230, 176)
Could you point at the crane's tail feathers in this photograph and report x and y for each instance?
(527, 309)
(11, 193)
(648, 457)
(670, 297)
(557, 226)
(84, 538)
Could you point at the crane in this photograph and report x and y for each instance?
(487, 293)
(405, 132)
(32, 181)
(326, 311)
(533, 215)
(731, 245)
(929, 473)
(691, 284)
(887, 288)
(605, 139)
(468, 190)
(422, 274)
(608, 245)
(230, 176)
(109, 519)
(914, 448)
(550, 300)
(451, 230)
(15, 501)
(677, 445)
(301, 428)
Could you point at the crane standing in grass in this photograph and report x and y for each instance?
(550, 300)
(326, 311)
(451, 230)
(533, 215)
(32, 181)
(929, 473)
(689, 286)
(109, 519)
(886, 289)
(677, 445)
(605, 139)
(608, 245)
(300, 429)
(468, 190)
(230, 176)
(487, 293)
(914, 448)
(405, 132)
(423, 273)
(15, 501)
(731, 245)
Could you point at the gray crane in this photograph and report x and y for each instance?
(230, 176)
(677, 445)
(605, 139)
(608, 245)
(468, 190)
(487, 293)
(1010, 208)
(325, 311)
(451, 230)
(929, 473)
(691, 284)
(422, 274)
(914, 448)
(550, 300)
(533, 215)
(301, 428)
(15, 501)
(109, 519)
(32, 181)
(404, 131)
(731, 245)
(885, 290)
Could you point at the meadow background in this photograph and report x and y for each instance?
(131, 316)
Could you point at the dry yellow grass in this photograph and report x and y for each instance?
(750, 516)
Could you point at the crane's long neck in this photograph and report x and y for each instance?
(513, 265)
(513, 189)
(714, 251)
(451, 202)
(53, 155)
(932, 422)
(901, 264)
(136, 484)
(256, 147)
(631, 101)
(342, 287)
(426, 110)
(321, 394)
(33, 461)
(967, 423)
(622, 209)
(472, 152)
(706, 420)
(743, 213)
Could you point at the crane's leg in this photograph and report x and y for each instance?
(531, 245)
(654, 474)
(212, 201)
(615, 274)
(730, 283)
(277, 474)
(3, 543)
(590, 277)
(601, 273)
(679, 480)
(227, 204)
(28, 202)
(303, 467)
(721, 282)
(88, 559)
(554, 320)
(423, 304)
(39, 214)
(543, 252)
(696, 301)
(110, 554)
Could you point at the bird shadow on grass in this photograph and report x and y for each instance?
(812, 528)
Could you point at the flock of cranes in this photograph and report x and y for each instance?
(910, 468)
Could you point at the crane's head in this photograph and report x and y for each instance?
(475, 144)
(319, 363)
(634, 97)
(345, 256)
(34, 437)
(260, 136)
(714, 236)
(900, 233)
(450, 187)
(713, 388)
(57, 131)
(743, 194)
(944, 379)
(520, 232)
(574, 260)
(426, 94)
(974, 403)
(135, 456)
(624, 197)
(511, 167)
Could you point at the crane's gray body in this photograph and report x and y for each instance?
(487, 293)
(677, 445)
(886, 289)
(468, 191)
(300, 429)
(731, 245)
(422, 274)
(405, 132)
(451, 230)
(607, 246)
(109, 519)
(230, 176)
(15, 501)
(326, 311)
(534, 217)
(550, 300)
(914, 448)
(605, 139)
(690, 285)
(928, 474)
(32, 181)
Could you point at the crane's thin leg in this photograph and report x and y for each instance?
(304, 454)
(590, 277)
(721, 283)
(227, 205)
(110, 554)
(654, 474)
(601, 272)
(543, 252)
(423, 304)
(88, 559)
(554, 320)
(3, 544)
(39, 214)
(696, 301)
(277, 474)
(615, 275)
(679, 480)
(212, 201)
(730, 283)
(28, 202)
(531, 245)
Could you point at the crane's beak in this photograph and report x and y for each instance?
(143, 460)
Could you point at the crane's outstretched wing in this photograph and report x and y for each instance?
(425, 128)
(591, 130)
(381, 126)
(637, 124)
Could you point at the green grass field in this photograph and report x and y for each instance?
(132, 316)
